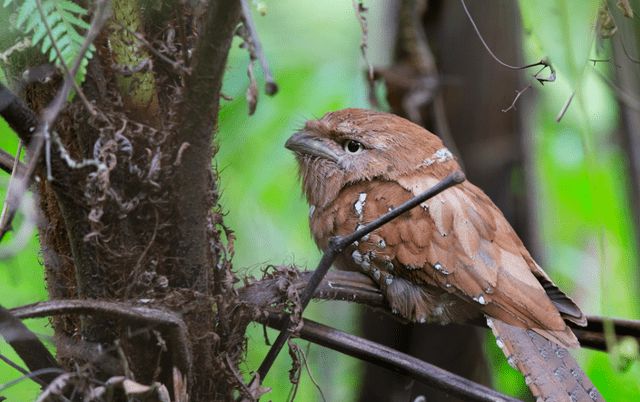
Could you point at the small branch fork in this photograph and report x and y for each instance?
(336, 246)
(544, 63)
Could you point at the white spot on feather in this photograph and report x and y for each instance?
(359, 205)
(440, 268)
(440, 156)
(312, 209)
(357, 257)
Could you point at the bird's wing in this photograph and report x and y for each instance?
(481, 257)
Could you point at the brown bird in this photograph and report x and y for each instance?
(455, 259)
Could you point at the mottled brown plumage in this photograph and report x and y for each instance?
(456, 259)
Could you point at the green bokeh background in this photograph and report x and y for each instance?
(313, 48)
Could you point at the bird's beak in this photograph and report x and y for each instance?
(306, 143)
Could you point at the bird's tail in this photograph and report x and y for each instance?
(550, 372)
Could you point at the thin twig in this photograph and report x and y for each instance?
(565, 107)
(8, 204)
(270, 85)
(542, 62)
(336, 245)
(515, 100)
(19, 368)
(596, 61)
(309, 373)
(32, 375)
(360, 10)
(392, 359)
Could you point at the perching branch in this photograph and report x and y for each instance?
(336, 246)
(349, 286)
(359, 288)
(392, 359)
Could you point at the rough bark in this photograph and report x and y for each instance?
(143, 226)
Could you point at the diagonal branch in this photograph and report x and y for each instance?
(392, 359)
(7, 163)
(336, 245)
(22, 120)
(543, 62)
(27, 345)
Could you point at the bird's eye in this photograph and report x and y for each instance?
(353, 147)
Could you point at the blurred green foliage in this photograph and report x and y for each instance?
(313, 48)
(21, 282)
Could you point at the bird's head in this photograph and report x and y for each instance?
(353, 145)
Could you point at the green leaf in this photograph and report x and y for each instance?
(71, 7)
(25, 12)
(64, 18)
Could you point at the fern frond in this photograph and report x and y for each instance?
(64, 18)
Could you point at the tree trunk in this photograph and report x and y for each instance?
(143, 227)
